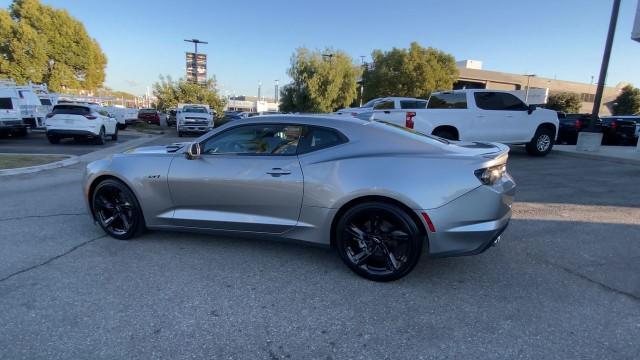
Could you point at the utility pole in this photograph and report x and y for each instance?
(195, 55)
(605, 64)
(364, 68)
(277, 93)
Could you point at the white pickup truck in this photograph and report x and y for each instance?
(193, 118)
(479, 115)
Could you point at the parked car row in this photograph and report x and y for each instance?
(616, 130)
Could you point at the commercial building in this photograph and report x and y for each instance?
(251, 104)
(472, 76)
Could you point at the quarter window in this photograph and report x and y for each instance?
(6, 104)
(499, 101)
(265, 139)
(448, 101)
(316, 138)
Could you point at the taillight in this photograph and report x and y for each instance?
(90, 117)
(578, 124)
(614, 124)
(408, 121)
(50, 115)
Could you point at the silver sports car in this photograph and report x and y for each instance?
(378, 193)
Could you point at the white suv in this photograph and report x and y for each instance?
(78, 121)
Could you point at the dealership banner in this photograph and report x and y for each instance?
(196, 67)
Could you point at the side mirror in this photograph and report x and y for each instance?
(531, 109)
(193, 151)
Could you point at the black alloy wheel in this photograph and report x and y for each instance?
(116, 209)
(379, 241)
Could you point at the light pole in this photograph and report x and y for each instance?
(195, 55)
(526, 94)
(605, 64)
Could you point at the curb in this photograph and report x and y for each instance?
(599, 157)
(71, 160)
(74, 159)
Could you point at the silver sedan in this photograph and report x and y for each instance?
(381, 195)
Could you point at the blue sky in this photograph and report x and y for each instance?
(251, 41)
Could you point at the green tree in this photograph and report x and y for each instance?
(564, 101)
(319, 83)
(42, 44)
(412, 72)
(628, 102)
(170, 93)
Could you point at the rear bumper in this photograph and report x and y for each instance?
(470, 224)
(69, 133)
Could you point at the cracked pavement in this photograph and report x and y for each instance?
(563, 283)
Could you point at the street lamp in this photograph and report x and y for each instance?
(329, 56)
(526, 94)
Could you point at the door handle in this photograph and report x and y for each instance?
(387, 112)
(481, 116)
(278, 171)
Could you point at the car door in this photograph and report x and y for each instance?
(248, 178)
(500, 117)
(109, 122)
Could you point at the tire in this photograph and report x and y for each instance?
(53, 139)
(542, 142)
(445, 134)
(114, 137)
(368, 232)
(117, 211)
(100, 139)
(23, 132)
(121, 126)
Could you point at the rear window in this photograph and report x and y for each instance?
(45, 101)
(448, 101)
(147, 111)
(6, 104)
(71, 110)
(413, 104)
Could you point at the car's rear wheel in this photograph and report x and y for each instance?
(114, 137)
(100, 139)
(116, 209)
(542, 142)
(53, 139)
(445, 134)
(378, 241)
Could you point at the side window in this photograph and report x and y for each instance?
(448, 101)
(384, 105)
(413, 104)
(316, 138)
(264, 139)
(104, 113)
(498, 101)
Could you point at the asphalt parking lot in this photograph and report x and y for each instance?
(36, 143)
(564, 283)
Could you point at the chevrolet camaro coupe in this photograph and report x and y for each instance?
(380, 194)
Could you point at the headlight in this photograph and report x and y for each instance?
(489, 176)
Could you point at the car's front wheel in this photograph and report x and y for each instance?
(379, 241)
(542, 142)
(116, 209)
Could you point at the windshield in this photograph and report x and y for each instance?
(195, 109)
(45, 101)
(370, 103)
(411, 132)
